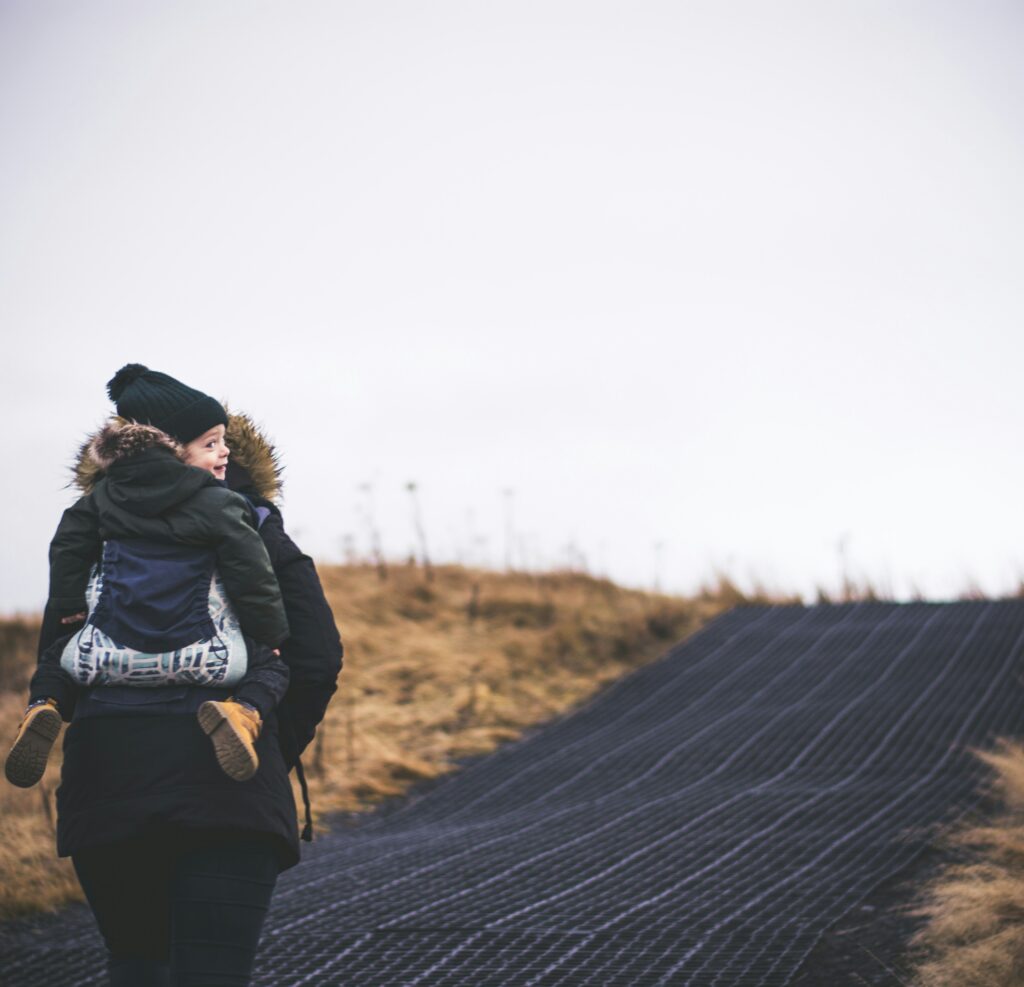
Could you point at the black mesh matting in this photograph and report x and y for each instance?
(703, 821)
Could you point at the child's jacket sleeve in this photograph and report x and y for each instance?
(75, 548)
(247, 573)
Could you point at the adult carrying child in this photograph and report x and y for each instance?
(177, 849)
(144, 559)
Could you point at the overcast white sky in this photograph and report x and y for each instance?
(741, 278)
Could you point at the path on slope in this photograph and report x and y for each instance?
(701, 822)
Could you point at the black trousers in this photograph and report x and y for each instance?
(180, 907)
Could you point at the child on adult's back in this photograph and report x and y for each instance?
(149, 560)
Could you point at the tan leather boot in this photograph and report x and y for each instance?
(233, 728)
(39, 727)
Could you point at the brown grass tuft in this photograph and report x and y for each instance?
(975, 909)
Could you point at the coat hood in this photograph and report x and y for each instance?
(253, 466)
(120, 439)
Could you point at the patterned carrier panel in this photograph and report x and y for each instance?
(93, 658)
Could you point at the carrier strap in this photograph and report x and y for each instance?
(307, 830)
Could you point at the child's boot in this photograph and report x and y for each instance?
(233, 727)
(39, 727)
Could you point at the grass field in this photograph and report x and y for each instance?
(434, 671)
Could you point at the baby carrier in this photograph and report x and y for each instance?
(158, 615)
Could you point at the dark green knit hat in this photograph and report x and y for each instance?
(153, 398)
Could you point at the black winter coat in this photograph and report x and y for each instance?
(135, 757)
(313, 651)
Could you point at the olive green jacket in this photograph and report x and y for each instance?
(143, 490)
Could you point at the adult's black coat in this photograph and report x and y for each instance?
(313, 650)
(136, 758)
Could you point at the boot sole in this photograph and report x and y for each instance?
(27, 759)
(235, 757)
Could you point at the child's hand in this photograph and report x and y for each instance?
(73, 619)
(277, 652)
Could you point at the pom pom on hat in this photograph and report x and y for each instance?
(128, 373)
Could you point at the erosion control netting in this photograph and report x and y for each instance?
(701, 822)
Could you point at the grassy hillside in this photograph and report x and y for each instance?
(433, 671)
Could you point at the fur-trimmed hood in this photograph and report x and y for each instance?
(120, 438)
(253, 462)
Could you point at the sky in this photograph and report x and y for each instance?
(665, 289)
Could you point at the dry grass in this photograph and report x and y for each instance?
(31, 874)
(974, 935)
(434, 671)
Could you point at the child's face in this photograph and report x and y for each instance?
(209, 452)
